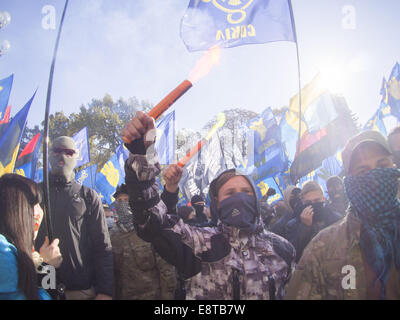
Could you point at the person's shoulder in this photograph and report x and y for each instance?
(6, 248)
(280, 245)
(8, 266)
(329, 236)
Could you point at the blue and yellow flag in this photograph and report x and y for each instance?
(109, 177)
(266, 155)
(263, 186)
(289, 126)
(82, 144)
(87, 176)
(376, 122)
(27, 160)
(11, 137)
(231, 23)
(165, 143)
(5, 90)
(393, 89)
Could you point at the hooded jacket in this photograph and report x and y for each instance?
(280, 226)
(218, 262)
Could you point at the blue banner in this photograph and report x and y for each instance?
(109, 177)
(263, 187)
(165, 143)
(122, 154)
(11, 137)
(393, 87)
(232, 23)
(82, 144)
(5, 90)
(87, 176)
(266, 154)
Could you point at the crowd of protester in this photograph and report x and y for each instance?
(344, 244)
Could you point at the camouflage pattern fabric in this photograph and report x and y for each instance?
(323, 270)
(139, 272)
(254, 257)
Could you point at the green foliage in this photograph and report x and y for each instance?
(105, 120)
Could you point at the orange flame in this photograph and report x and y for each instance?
(205, 63)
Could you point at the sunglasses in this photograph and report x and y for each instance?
(68, 152)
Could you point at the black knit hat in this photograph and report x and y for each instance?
(120, 190)
(197, 198)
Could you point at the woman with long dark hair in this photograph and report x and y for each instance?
(20, 217)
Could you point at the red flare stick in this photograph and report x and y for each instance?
(169, 100)
(192, 152)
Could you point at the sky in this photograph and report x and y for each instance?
(133, 48)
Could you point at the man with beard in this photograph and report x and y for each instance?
(237, 259)
(337, 197)
(79, 222)
(310, 218)
(358, 258)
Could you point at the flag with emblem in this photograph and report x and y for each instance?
(11, 137)
(87, 176)
(5, 90)
(262, 187)
(82, 144)
(109, 177)
(231, 23)
(376, 123)
(266, 155)
(27, 160)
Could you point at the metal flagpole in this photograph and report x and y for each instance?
(46, 133)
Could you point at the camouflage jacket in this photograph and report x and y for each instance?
(139, 272)
(329, 263)
(218, 262)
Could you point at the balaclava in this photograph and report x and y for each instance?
(61, 164)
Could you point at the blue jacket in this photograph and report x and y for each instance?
(9, 274)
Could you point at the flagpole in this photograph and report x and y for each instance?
(298, 71)
(46, 133)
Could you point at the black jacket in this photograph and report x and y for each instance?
(78, 220)
(300, 235)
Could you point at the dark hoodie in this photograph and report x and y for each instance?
(217, 262)
(280, 226)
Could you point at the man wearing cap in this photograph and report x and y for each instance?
(139, 272)
(237, 259)
(358, 257)
(338, 201)
(78, 220)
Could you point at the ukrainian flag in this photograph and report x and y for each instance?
(11, 137)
